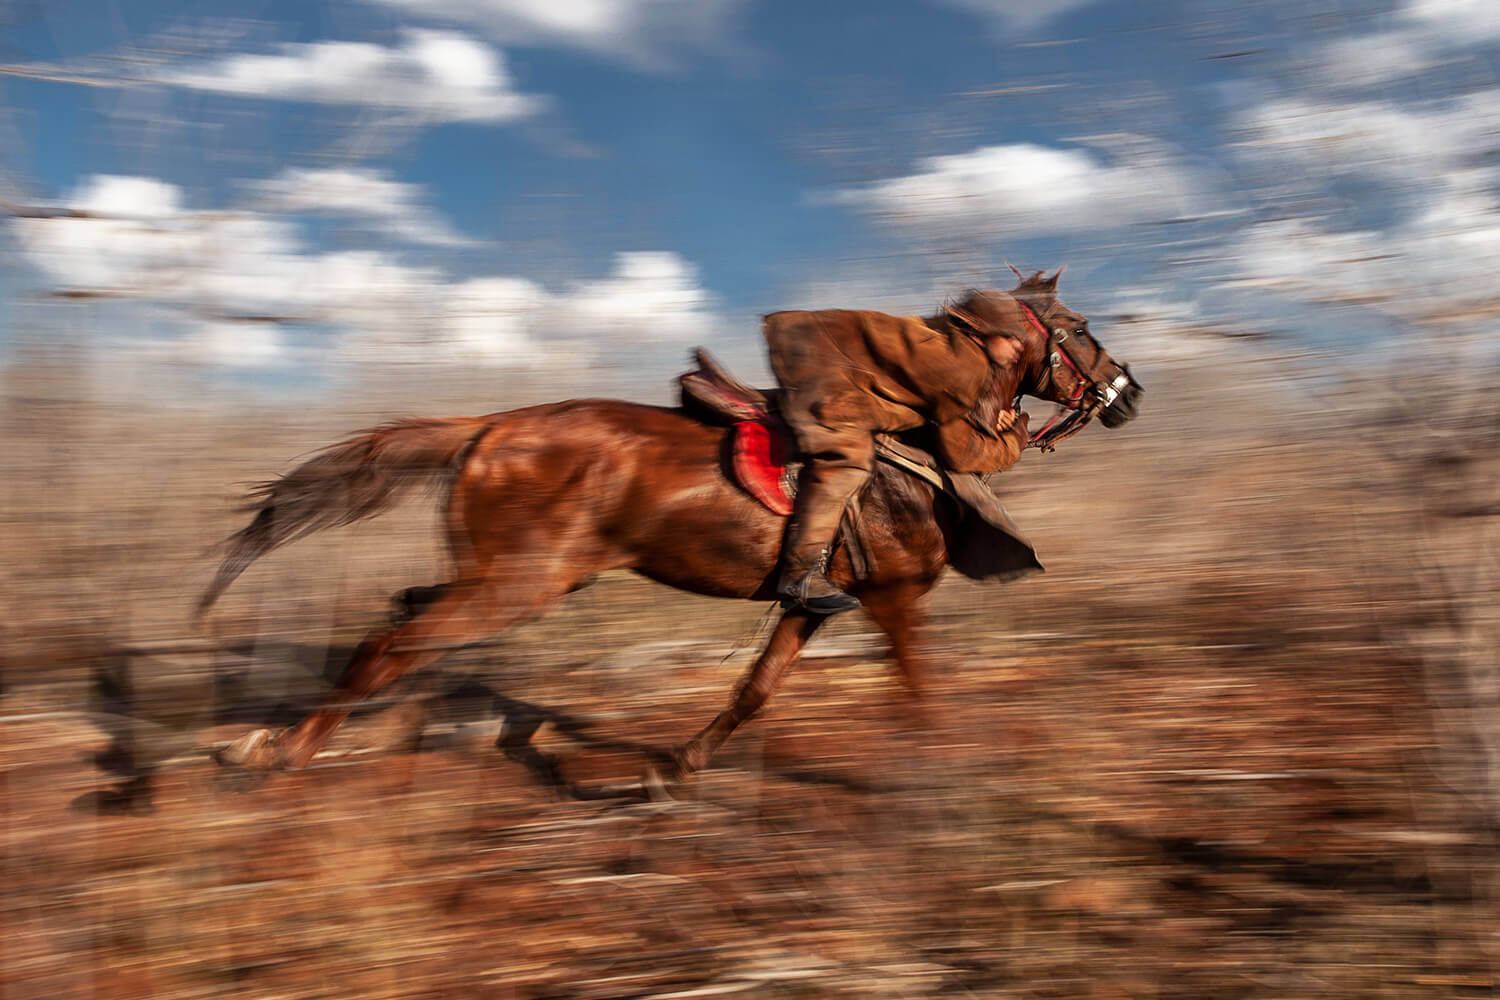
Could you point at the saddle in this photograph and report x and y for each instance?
(764, 463)
(762, 445)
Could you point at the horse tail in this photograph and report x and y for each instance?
(343, 483)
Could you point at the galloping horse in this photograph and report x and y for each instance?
(540, 499)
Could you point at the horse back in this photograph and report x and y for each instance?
(609, 484)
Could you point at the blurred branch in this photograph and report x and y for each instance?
(56, 74)
(43, 211)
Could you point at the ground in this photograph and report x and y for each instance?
(1215, 751)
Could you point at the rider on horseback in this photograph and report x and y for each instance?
(847, 375)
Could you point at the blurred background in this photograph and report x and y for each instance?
(1240, 740)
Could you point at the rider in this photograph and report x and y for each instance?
(847, 375)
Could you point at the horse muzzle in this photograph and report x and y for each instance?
(1121, 399)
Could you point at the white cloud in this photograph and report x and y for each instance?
(1304, 259)
(1020, 15)
(1422, 34)
(237, 345)
(137, 242)
(1430, 147)
(128, 197)
(1432, 268)
(496, 320)
(1376, 59)
(370, 195)
(1420, 235)
(651, 296)
(1388, 204)
(131, 235)
(1159, 324)
(1433, 248)
(435, 75)
(1026, 189)
(1373, 137)
(642, 32)
(235, 280)
(1461, 21)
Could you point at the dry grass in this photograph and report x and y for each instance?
(1238, 742)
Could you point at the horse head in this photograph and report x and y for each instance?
(1060, 359)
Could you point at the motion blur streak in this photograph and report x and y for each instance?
(1240, 739)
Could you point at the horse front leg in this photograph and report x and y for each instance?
(895, 610)
(787, 640)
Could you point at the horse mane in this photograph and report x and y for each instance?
(1038, 290)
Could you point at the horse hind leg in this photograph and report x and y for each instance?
(424, 630)
(411, 602)
(441, 620)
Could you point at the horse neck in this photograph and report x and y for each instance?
(1021, 377)
(1025, 375)
(1033, 367)
(1028, 374)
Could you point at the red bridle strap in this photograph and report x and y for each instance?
(1071, 404)
(1031, 316)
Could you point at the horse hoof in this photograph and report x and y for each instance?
(686, 761)
(255, 750)
(655, 786)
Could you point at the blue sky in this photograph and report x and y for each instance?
(504, 183)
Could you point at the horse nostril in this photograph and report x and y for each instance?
(1123, 409)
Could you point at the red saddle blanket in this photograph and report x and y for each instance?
(760, 447)
(761, 453)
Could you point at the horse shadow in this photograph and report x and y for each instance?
(150, 722)
(235, 688)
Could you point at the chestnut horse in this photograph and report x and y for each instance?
(540, 499)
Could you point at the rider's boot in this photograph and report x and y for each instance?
(821, 498)
(810, 588)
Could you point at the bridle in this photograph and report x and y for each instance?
(1092, 395)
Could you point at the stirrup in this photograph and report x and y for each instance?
(831, 603)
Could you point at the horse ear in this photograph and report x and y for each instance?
(1051, 283)
(1013, 270)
